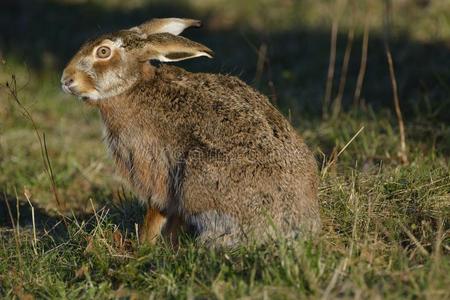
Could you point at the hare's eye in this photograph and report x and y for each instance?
(103, 52)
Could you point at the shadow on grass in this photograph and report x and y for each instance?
(12, 210)
(47, 33)
(18, 213)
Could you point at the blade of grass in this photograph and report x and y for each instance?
(13, 91)
(363, 65)
(334, 159)
(402, 153)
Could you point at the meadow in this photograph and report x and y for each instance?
(68, 222)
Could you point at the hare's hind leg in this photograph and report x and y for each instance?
(215, 229)
(172, 230)
(152, 226)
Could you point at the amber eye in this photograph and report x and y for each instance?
(103, 52)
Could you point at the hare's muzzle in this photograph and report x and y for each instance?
(66, 83)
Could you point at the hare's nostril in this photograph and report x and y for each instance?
(68, 81)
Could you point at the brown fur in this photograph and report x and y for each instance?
(237, 153)
(153, 223)
(209, 153)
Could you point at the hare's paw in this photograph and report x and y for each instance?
(152, 226)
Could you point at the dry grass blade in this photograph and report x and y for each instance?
(416, 242)
(401, 125)
(12, 89)
(16, 234)
(337, 105)
(335, 157)
(262, 53)
(136, 229)
(402, 154)
(331, 66)
(27, 196)
(337, 272)
(363, 66)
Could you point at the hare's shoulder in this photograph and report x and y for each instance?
(220, 98)
(207, 85)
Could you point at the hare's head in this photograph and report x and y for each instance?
(110, 64)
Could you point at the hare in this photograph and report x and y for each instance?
(206, 153)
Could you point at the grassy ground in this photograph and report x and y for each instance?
(386, 224)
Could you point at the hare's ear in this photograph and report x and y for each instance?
(174, 26)
(166, 47)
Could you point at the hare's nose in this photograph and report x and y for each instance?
(67, 81)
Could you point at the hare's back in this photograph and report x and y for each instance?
(232, 128)
(224, 113)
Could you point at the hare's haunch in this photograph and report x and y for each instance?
(205, 152)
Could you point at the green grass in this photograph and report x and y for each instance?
(385, 225)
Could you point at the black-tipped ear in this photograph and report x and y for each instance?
(166, 47)
(174, 26)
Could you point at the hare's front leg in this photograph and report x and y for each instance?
(156, 224)
(152, 226)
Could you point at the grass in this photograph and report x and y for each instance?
(385, 224)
